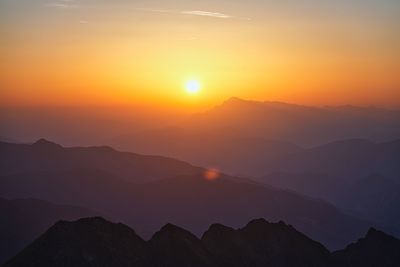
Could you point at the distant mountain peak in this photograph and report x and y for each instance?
(218, 231)
(375, 249)
(172, 230)
(234, 99)
(374, 235)
(170, 227)
(372, 231)
(257, 222)
(276, 105)
(96, 220)
(84, 223)
(217, 227)
(46, 143)
(266, 227)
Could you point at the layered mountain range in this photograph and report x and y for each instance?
(114, 184)
(331, 172)
(249, 138)
(346, 155)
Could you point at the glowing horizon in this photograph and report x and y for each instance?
(122, 52)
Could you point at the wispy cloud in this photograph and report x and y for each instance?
(201, 13)
(66, 4)
(206, 14)
(63, 4)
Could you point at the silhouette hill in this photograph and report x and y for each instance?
(23, 220)
(97, 242)
(45, 156)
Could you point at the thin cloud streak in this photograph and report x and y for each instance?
(69, 4)
(200, 13)
(206, 14)
(63, 4)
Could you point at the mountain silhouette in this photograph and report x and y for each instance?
(374, 196)
(156, 203)
(375, 249)
(86, 242)
(45, 144)
(356, 175)
(302, 125)
(23, 220)
(97, 242)
(175, 246)
(44, 156)
(234, 154)
(261, 243)
(352, 158)
(229, 200)
(251, 138)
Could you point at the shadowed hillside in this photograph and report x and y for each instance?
(44, 156)
(23, 220)
(97, 242)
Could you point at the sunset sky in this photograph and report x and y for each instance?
(89, 52)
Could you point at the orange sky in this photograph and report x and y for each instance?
(111, 52)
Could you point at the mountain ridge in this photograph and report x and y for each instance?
(44, 155)
(95, 241)
(23, 220)
(226, 199)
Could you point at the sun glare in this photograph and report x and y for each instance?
(192, 86)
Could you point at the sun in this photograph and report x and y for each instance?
(192, 86)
